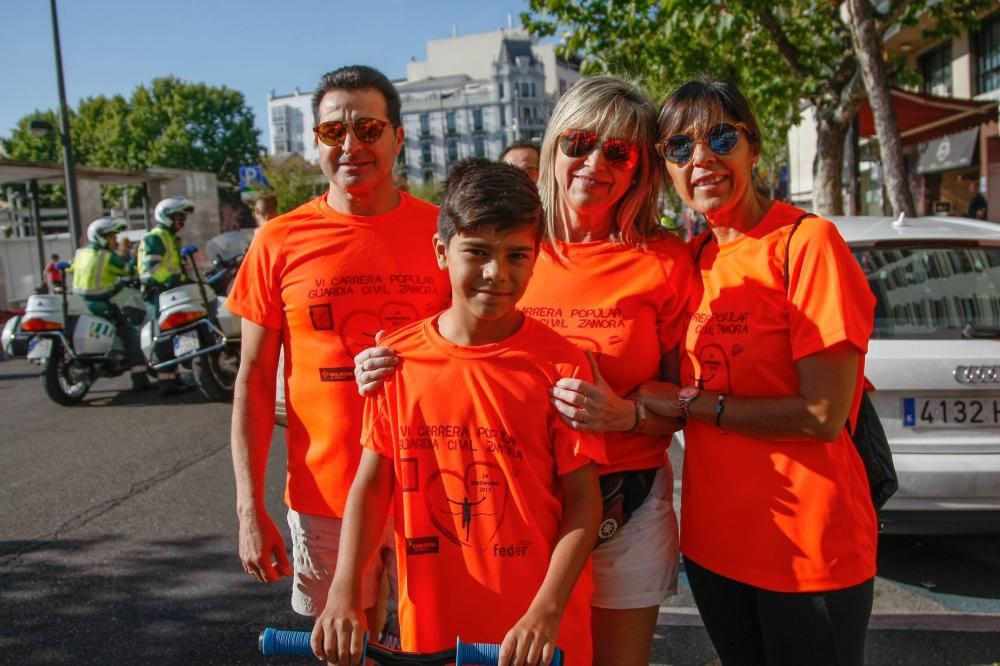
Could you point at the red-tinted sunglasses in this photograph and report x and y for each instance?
(619, 153)
(333, 132)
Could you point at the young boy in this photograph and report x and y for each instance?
(496, 500)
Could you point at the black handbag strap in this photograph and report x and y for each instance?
(788, 247)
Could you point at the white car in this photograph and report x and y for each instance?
(934, 360)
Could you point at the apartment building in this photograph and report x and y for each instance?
(472, 96)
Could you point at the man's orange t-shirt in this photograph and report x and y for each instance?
(627, 306)
(477, 451)
(331, 281)
(790, 516)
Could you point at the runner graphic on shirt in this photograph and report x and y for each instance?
(467, 512)
(479, 496)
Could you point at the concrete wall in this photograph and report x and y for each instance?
(202, 188)
(20, 273)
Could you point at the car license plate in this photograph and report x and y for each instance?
(951, 412)
(185, 343)
(39, 348)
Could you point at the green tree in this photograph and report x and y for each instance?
(293, 181)
(778, 53)
(170, 123)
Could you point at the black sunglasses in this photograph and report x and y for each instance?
(580, 143)
(333, 132)
(722, 139)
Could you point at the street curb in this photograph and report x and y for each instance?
(952, 622)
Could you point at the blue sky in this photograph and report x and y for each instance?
(111, 46)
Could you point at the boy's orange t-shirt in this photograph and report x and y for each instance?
(627, 306)
(477, 451)
(331, 281)
(790, 516)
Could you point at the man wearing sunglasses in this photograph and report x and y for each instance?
(322, 280)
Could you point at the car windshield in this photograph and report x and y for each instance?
(933, 291)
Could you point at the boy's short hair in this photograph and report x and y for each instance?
(479, 192)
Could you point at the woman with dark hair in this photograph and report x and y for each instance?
(779, 533)
(613, 281)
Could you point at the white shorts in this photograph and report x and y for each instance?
(315, 543)
(637, 568)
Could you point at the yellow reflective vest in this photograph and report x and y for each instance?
(156, 264)
(95, 271)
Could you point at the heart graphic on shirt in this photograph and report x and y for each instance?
(468, 508)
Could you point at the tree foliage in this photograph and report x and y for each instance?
(169, 123)
(293, 181)
(779, 54)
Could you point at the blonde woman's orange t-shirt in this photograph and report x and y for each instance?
(790, 516)
(330, 282)
(477, 451)
(627, 306)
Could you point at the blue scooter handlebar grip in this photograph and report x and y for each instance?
(280, 641)
(487, 654)
(284, 642)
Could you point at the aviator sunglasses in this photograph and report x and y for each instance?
(333, 132)
(722, 139)
(580, 143)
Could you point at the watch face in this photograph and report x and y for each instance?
(688, 393)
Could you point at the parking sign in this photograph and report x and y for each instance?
(252, 178)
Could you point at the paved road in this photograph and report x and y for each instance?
(117, 544)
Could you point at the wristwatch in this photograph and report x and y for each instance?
(685, 397)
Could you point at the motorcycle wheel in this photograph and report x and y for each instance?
(216, 373)
(59, 381)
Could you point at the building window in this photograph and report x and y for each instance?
(450, 122)
(525, 89)
(501, 91)
(452, 149)
(477, 119)
(428, 176)
(935, 66)
(425, 123)
(533, 89)
(986, 43)
(503, 116)
(526, 113)
(480, 146)
(425, 153)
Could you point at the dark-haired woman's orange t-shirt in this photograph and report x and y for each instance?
(790, 516)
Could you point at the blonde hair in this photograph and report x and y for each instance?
(610, 107)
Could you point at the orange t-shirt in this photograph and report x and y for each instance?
(625, 305)
(790, 516)
(331, 281)
(478, 450)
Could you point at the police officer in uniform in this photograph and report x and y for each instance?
(96, 270)
(161, 268)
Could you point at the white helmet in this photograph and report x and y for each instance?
(166, 209)
(99, 230)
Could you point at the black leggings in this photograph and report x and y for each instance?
(756, 627)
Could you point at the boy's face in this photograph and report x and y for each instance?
(489, 271)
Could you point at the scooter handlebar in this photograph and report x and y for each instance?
(284, 642)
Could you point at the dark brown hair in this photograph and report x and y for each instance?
(701, 104)
(480, 192)
(358, 77)
(521, 143)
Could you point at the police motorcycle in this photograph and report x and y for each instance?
(74, 346)
(200, 330)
